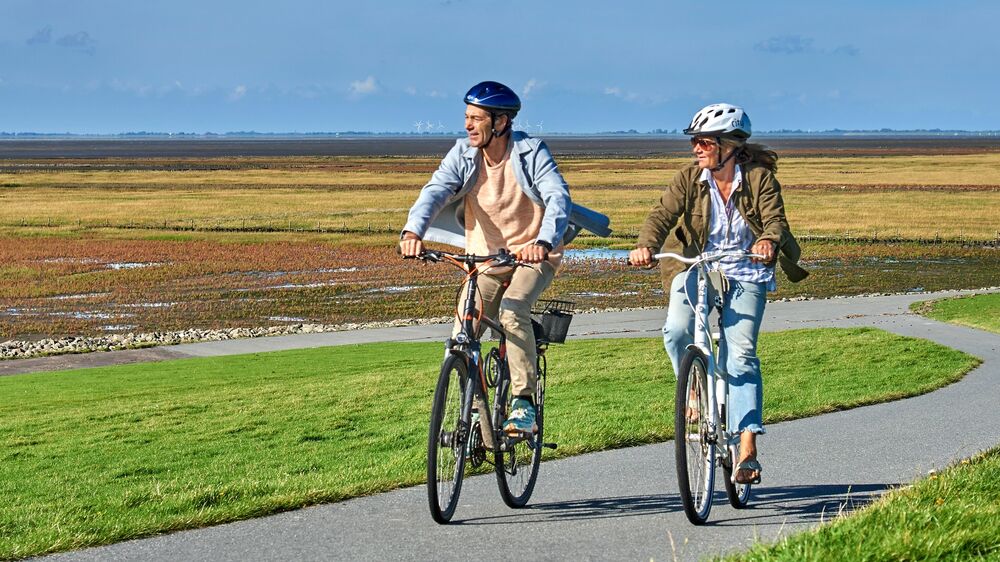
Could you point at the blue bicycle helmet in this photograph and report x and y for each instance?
(494, 96)
(498, 100)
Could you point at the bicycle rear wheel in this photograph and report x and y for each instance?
(738, 494)
(517, 468)
(694, 448)
(447, 438)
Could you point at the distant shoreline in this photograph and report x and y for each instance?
(614, 146)
(353, 135)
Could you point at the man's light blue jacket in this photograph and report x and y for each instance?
(439, 212)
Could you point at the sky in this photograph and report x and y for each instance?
(582, 66)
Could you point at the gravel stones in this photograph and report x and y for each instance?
(15, 349)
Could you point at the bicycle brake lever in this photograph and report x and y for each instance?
(430, 255)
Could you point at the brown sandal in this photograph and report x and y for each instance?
(751, 466)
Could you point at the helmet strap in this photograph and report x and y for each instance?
(722, 161)
(493, 129)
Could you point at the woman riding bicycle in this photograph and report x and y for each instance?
(728, 199)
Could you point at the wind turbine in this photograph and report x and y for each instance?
(540, 127)
(419, 125)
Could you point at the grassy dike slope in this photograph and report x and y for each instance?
(96, 456)
(976, 311)
(948, 516)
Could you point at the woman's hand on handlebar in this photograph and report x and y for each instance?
(411, 245)
(764, 248)
(640, 256)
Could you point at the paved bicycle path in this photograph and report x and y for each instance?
(623, 504)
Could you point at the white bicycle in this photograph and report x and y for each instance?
(702, 439)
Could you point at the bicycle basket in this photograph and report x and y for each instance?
(554, 319)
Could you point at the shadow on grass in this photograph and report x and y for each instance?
(791, 505)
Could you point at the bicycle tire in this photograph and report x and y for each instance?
(517, 471)
(447, 437)
(738, 494)
(694, 452)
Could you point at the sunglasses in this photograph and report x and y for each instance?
(704, 144)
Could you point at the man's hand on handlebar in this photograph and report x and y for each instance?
(533, 253)
(411, 245)
(640, 256)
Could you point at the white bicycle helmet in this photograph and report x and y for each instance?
(720, 120)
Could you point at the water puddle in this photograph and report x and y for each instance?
(112, 265)
(393, 289)
(595, 254)
(130, 265)
(118, 327)
(90, 315)
(915, 263)
(302, 285)
(71, 260)
(80, 296)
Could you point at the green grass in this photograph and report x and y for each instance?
(948, 516)
(976, 311)
(102, 455)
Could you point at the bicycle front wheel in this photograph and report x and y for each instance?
(517, 468)
(694, 448)
(447, 438)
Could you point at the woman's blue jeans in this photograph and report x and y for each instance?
(742, 312)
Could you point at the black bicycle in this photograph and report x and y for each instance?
(464, 427)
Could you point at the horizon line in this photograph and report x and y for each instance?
(6, 135)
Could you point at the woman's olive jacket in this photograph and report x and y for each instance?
(680, 220)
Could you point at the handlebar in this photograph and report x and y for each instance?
(705, 258)
(500, 259)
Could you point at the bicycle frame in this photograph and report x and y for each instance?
(471, 347)
(467, 342)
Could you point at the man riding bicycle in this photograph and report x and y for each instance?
(728, 199)
(500, 188)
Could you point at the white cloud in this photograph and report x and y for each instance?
(410, 90)
(238, 93)
(134, 87)
(364, 87)
(635, 97)
(531, 86)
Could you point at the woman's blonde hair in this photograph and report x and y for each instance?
(750, 153)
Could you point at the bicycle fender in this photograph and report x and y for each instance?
(694, 347)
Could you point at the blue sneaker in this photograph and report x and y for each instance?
(521, 418)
